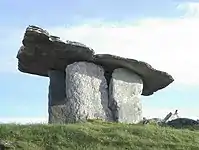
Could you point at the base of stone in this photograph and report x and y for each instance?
(57, 114)
(60, 114)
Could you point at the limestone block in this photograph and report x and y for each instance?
(86, 92)
(57, 114)
(56, 97)
(56, 87)
(125, 90)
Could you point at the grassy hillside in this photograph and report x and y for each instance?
(97, 135)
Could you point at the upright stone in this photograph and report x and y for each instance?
(86, 93)
(125, 90)
(56, 96)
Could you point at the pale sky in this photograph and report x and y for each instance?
(162, 33)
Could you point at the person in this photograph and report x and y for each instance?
(176, 114)
(145, 121)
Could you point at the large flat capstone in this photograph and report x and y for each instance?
(41, 52)
(124, 96)
(86, 92)
(153, 80)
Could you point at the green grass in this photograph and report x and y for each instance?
(97, 135)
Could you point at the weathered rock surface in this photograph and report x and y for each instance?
(157, 121)
(57, 88)
(41, 52)
(4, 145)
(153, 79)
(124, 96)
(181, 122)
(86, 92)
(57, 114)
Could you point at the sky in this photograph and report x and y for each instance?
(162, 33)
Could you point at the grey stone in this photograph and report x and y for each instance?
(181, 122)
(153, 79)
(42, 52)
(57, 97)
(124, 96)
(4, 145)
(57, 114)
(167, 117)
(86, 92)
(57, 87)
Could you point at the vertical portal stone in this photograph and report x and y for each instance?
(56, 96)
(125, 89)
(86, 92)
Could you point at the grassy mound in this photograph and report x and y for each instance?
(97, 135)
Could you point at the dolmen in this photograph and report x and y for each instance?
(84, 85)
